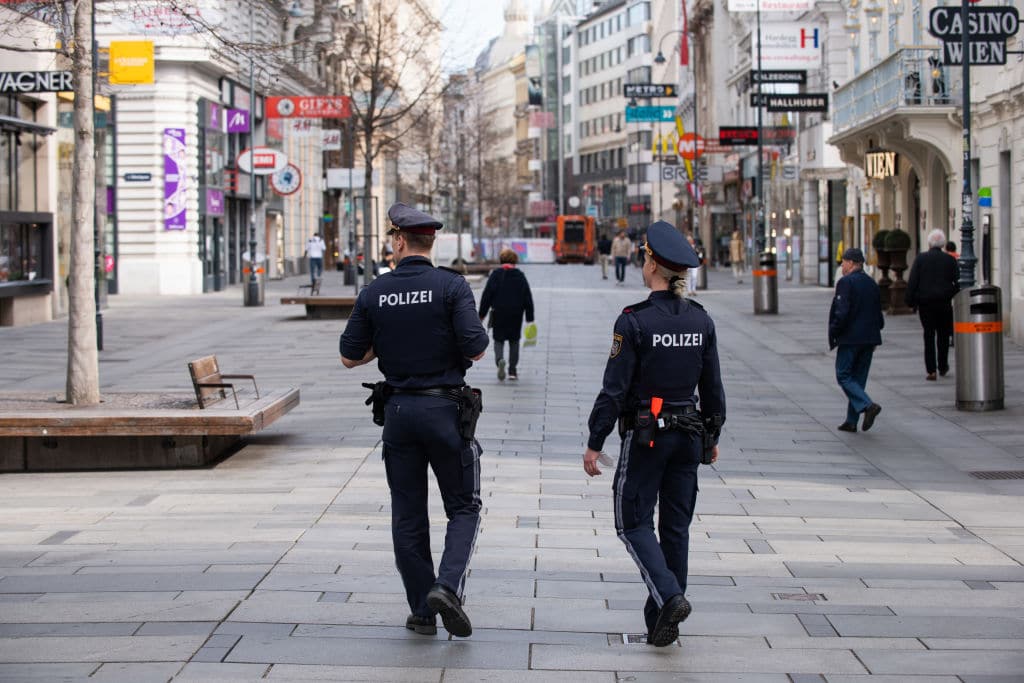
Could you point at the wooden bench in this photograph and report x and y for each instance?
(128, 431)
(207, 382)
(318, 307)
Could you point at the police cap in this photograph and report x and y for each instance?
(669, 248)
(406, 218)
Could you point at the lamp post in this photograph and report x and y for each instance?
(660, 59)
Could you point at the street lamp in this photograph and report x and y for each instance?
(660, 59)
(253, 284)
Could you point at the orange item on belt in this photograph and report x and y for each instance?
(656, 404)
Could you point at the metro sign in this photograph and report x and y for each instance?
(690, 146)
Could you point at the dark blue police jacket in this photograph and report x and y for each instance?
(856, 313)
(421, 322)
(664, 347)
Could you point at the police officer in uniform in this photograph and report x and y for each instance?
(420, 323)
(663, 350)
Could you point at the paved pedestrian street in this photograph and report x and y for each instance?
(816, 555)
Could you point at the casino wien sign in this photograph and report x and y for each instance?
(988, 29)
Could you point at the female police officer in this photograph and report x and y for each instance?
(663, 349)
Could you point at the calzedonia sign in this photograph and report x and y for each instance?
(35, 81)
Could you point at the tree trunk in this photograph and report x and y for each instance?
(83, 381)
(368, 208)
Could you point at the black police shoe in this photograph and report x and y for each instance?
(870, 413)
(666, 629)
(448, 605)
(426, 626)
(847, 427)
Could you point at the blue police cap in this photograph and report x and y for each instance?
(404, 217)
(669, 248)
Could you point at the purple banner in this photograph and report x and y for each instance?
(238, 121)
(213, 114)
(175, 179)
(214, 202)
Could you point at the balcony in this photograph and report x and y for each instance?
(911, 80)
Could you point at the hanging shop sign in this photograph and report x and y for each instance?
(175, 179)
(261, 161)
(649, 114)
(779, 76)
(808, 102)
(35, 81)
(645, 90)
(770, 5)
(880, 164)
(787, 45)
(131, 62)
(988, 29)
(287, 181)
(747, 135)
(309, 107)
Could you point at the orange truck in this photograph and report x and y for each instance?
(575, 239)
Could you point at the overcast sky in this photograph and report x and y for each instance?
(469, 25)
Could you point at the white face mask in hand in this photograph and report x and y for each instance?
(605, 459)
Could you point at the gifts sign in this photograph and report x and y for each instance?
(175, 179)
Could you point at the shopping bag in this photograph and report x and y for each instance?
(530, 333)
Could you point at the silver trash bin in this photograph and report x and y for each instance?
(766, 284)
(702, 272)
(253, 292)
(978, 342)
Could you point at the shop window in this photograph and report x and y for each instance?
(22, 252)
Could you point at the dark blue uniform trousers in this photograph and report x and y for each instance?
(421, 431)
(665, 475)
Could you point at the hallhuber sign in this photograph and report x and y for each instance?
(35, 81)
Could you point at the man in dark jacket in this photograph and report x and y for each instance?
(508, 298)
(855, 325)
(933, 282)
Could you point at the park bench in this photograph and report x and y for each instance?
(318, 307)
(146, 430)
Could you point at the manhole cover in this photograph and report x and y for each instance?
(803, 597)
(1001, 475)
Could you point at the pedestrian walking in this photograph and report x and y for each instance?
(620, 251)
(737, 256)
(934, 280)
(315, 249)
(663, 351)
(692, 275)
(855, 325)
(508, 299)
(604, 254)
(420, 323)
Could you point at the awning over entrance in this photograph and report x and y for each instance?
(10, 123)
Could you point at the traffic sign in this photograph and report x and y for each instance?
(688, 148)
(649, 114)
(644, 90)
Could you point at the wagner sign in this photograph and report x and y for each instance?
(35, 81)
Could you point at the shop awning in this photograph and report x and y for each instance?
(23, 126)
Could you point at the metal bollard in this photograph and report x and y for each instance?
(978, 342)
(766, 285)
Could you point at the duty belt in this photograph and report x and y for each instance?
(450, 393)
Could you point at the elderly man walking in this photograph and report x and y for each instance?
(855, 325)
(932, 285)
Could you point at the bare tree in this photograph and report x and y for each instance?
(386, 57)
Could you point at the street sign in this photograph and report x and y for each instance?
(810, 102)
(649, 114)
(138, 177)
(779, 76)
(983, 23)
(643, 90)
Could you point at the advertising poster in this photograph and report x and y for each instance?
(175, 179)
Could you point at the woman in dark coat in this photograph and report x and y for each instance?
(507, 296)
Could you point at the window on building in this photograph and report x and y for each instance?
(892, 32)
(873, 46)
(566, 114)
(639, 13)
(22, 251)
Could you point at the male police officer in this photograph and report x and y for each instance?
(663, 349)
(420, 323)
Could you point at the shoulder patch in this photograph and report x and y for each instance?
(616, 345)
(633, 308)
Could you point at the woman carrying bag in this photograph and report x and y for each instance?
(507, 296)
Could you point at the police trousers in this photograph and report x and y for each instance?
(665, 476)
(421, 432)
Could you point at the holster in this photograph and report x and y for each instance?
(711, 432)
(379, 394)
(644, 427)
(471, 404)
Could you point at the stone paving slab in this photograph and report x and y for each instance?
(816, 555)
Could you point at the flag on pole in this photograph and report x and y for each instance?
(684, 44)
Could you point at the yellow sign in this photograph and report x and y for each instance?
(131, 62)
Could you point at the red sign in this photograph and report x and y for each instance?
(639, 208)
(688, 149)
(309, 107)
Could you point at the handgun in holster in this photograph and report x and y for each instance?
(379, 394)
(712, 430)
(471, 404)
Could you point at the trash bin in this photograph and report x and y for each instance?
(349, 278)
(702, 277)
(253, 293)
(978, 341)
(766, 284)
